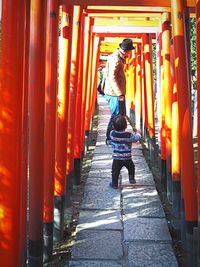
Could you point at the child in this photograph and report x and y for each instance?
(121, 145)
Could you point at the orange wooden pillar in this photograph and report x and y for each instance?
(144, 123)
(61, 120)
(131, 87)
(12, 249)
(198, 99)
(138, 87)
(72, 115)
(95, 59)
(163, 95)
(89, 88)
(175, 147)
(149, 84)
(166, 106)
(36, 125)
(78, 143)
(86, 33)
(88, 76)
(127, 76)
(161, 98)
(149, 94)
(24, 184)
(51, 73)
(188, 181)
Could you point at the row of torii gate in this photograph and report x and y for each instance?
(49, 59)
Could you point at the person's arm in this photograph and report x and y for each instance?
(136, 136)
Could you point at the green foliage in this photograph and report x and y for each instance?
(193, 44)
(154, 61)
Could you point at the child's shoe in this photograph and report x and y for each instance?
(113, 186)
(108, 142)
(132, 180)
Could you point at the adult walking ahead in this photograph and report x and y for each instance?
(115, 85)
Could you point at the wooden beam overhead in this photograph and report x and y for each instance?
(130, 14)
(126, 22)
(123, 35)
(126, 30)
(108, 37)
(147, 3)
(130, 8)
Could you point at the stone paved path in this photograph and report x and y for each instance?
(124, 227)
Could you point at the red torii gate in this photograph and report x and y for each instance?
(29, 66)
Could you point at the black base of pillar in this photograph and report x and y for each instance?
(176, 199)
(164, 175)
(48, 241)
(87, 133)
(190, 242)
(77, 171)
(183, 226)
(169, 186)
(59, 207)
(69, 188)
(35, 253)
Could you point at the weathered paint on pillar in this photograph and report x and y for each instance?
(36, 126)
(61, 123)
(198, 110)
(51, 73)
(12, 236)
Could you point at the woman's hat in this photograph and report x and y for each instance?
(127, 44)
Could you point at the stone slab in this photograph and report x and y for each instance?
(137, 152)
(103, 149)
(103, 118)
(102, 164)
(99, 173)
(96, 197)
(142, 207)
(140, 163)
(101, 182)
(98, 245)
(102, 157)
(85, 263)
(155, 254)
(141, 179)
(139, 191)
(102, 126)
(155, 229)
(99, 220)
(102, 144)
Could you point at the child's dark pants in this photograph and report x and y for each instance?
(116, 168)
